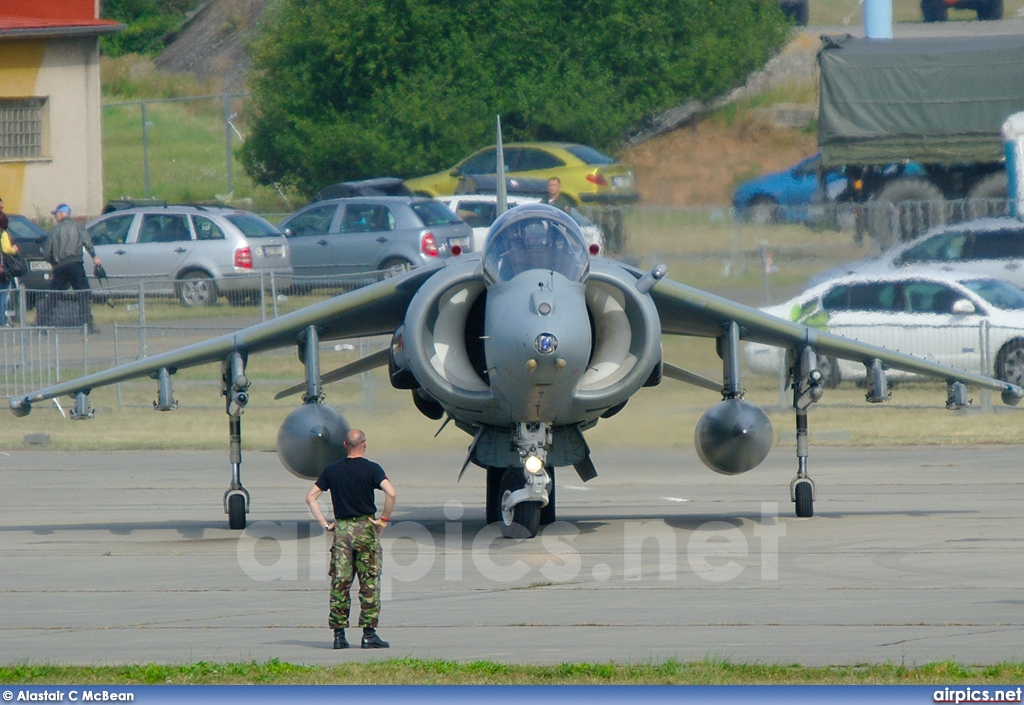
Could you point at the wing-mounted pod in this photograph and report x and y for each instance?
(313, 434)
(626, 345)
(733, 436)
(441, 348)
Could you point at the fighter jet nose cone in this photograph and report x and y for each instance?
(311, 437)
(733, 436)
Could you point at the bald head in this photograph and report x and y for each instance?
(355, 443)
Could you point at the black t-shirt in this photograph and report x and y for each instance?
(351, 483)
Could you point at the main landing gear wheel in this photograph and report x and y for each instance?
(522, 520)
(236, 512)
(493, 510)
(804, 499)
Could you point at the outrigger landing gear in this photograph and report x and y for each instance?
(235, 386)
(801, 489)
(807, 389)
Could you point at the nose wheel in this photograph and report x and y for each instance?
(518, 521)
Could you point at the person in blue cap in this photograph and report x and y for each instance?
(63, 250)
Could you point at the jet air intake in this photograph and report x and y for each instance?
(733, 436)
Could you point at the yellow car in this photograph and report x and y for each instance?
(587, 175)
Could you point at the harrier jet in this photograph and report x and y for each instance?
(525, 346)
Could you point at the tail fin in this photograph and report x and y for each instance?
(502, 193)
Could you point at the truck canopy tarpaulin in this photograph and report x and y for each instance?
(930, 100)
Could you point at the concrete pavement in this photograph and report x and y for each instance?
(913, 555)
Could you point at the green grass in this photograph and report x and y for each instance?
(186, 155)
(414, 671)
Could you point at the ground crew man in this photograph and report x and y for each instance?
(356, 548)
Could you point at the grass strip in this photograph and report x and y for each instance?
(415, 671)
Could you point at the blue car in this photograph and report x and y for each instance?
(788, 195)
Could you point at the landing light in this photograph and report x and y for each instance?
(533, 464)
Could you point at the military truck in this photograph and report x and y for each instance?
(915, 124)
(938, 10)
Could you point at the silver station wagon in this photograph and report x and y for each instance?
(384, 233)
(205, 252)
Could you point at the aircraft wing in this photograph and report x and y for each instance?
(377, 309)
(685, 310)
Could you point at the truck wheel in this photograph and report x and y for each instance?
(762, 210)
(904, 209)
(988, 197)
(934, 11)
(992, 10)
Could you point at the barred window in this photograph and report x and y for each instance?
(21, 128)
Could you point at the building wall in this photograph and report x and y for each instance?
(65, 71)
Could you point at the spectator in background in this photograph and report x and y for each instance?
(8, 247)
(555, 196)
(64, 251)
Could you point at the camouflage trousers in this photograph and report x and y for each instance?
(355, 552)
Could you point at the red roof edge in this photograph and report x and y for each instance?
(66, 12)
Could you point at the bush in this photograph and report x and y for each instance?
(346, 90)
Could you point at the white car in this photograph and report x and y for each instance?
(968, 321)
(992, 247)
(480, 210)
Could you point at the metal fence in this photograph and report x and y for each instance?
(972, 347)
(149, 133)
(755, 260)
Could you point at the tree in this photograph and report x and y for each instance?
(148, 23)
(347, 89)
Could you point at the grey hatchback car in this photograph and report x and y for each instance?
(380, 233)
(204, 251)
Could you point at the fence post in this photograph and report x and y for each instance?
(273, 293)
(145, 150)
(985, 341)
(227, 137)
(766, 264)
(142, 319)
(22, 306)
(263, 298)
(85, 349)
(117, 361)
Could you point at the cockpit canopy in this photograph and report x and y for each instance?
(535, 236)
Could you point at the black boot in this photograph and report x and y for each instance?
(372, 641)
(340, 642)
